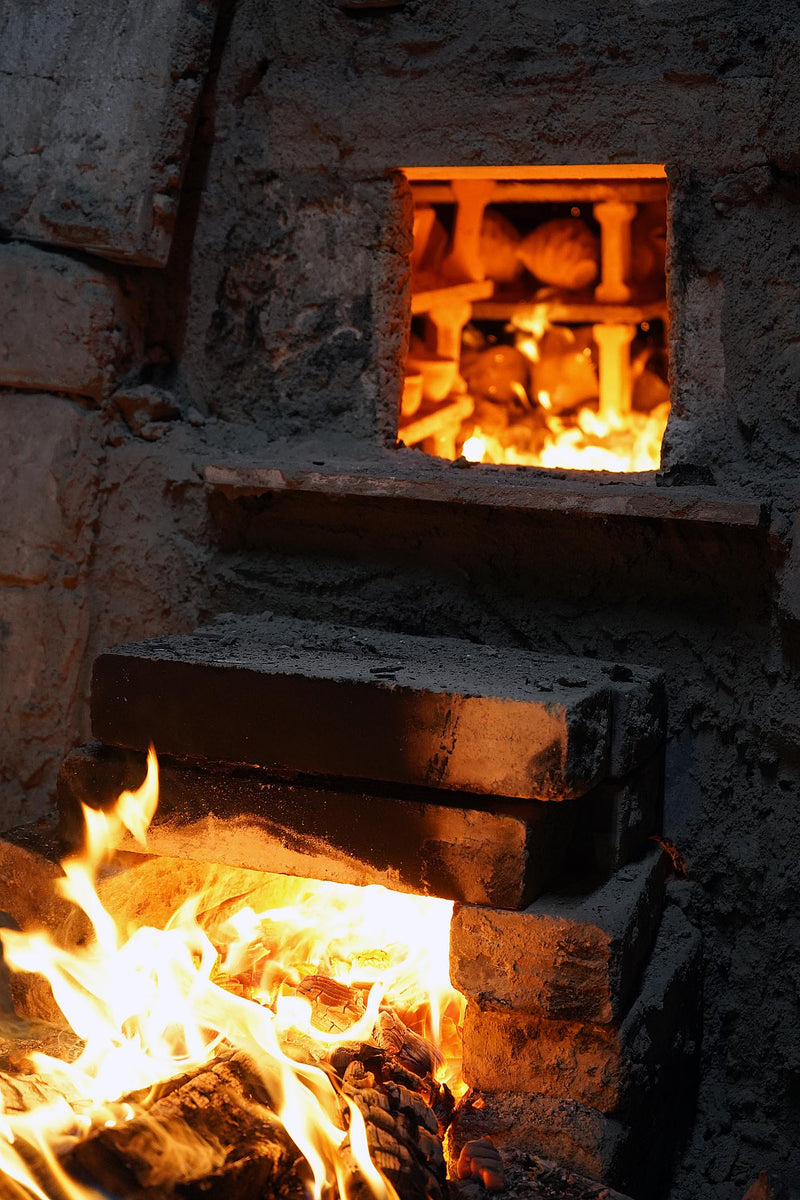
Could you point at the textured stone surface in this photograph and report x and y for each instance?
(65, 326)
(569, 1133)
(608, 1067)
(328, 700)
(103, 97)
(49, 502)
(300, 233)
(491, 854)
(569, 956)
(636, 1148)
(639, 718)
(620, 817)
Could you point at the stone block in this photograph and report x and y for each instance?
(65, 326)
(48, 497)
(406, 841)
(29, 896)
(616, 821)
(320, 699)
(610, 1068)
(639, 719)
(572, 1134)
(103, 97)
(570, 956)
(634, 1149)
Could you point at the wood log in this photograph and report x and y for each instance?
(412, 1051)
(402, 1135)
(210, 1135)
(481, 1160)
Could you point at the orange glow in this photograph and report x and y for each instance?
(545, 286)
(161, 1002)
(611, 171)
(584, 444)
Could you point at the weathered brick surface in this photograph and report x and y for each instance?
(572, 1134)
(329, 700)
(639, 718)
(635, 1148)
(411, 841)
(99, 101)
(567, 957)
(65, 326)
(619, 817)
(608, 1067)
(48, 497)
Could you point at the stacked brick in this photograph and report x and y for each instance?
(583, 1021)
(582, 1029)
(522, 786)
(436, 765)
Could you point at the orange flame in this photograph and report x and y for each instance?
(584, 442)
(151, 1006)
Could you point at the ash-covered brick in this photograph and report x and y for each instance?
(617, 820)
(571, 1134)
(99, 101)
(571, 957)
(361, 703)
(639, 718)
(633, 1149)
(608, 1067)
(65, 326)
(408, 841)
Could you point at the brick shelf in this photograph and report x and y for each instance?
(400, 476)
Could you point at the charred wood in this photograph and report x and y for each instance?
(437, 1096)
(410, 1050)
(402, 1136)
(526, 1177)
(211, 1135)
(481, 1160)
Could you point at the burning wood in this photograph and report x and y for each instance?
(211, 1133)
(481, 1160)
(316, 1069)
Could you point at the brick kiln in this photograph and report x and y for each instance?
(526, 788)
(321, 315)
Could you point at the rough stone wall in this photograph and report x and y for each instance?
(281, 313)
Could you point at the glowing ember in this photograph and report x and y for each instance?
(555, 314)
(582, 442)
(322, 965)
(474, 449)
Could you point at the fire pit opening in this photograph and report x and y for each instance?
(222, 1031)
(539, 316)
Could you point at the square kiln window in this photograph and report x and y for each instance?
(539, 316)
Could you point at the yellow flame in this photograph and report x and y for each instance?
(151, 1006)
(582, 441)
(474, 448)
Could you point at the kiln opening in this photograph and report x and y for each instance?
(538, 316)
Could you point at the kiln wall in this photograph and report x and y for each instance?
(281, 314)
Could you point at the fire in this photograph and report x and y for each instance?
(321, 965)
(547, 297)
(579, 433)
(586, 441)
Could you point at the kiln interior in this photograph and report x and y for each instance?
(539, 317)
